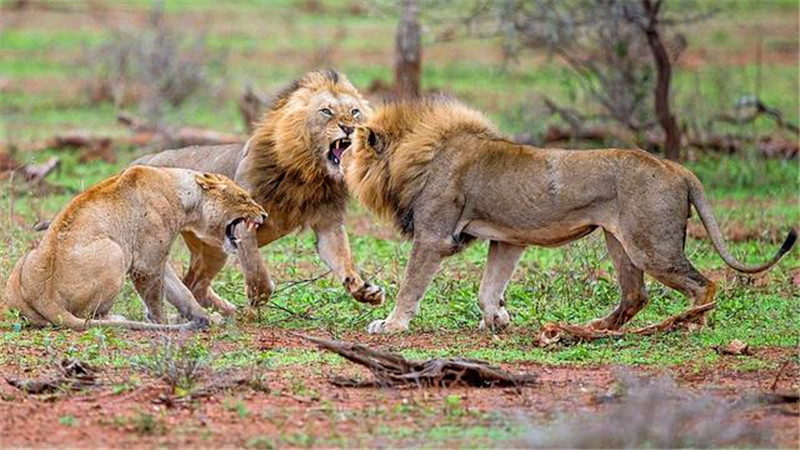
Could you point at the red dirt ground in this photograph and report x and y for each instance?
(300, 402)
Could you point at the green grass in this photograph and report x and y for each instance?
(46, 65)
(575, 284)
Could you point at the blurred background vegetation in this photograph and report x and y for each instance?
(532, 66)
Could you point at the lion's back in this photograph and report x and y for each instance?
(219, 159)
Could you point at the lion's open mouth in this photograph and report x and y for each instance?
(336, 149)
(230, 235)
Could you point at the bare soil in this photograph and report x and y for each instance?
(300, 402)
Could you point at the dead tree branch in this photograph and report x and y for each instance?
(664, 114)
(408, 52)
(559, 332)
(393, 370)
(73, 375)
(757, 108)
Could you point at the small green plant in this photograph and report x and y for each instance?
(179, 364)
(452, 406)
(260, 442)
(125, 386)
(68, 420)
(239, 406)
(147, 424)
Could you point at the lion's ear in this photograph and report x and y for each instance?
(208, 181)
(375, 141)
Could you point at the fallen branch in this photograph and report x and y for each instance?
(757, 109)
(393, 370)
(180, 137)
(74, 375)
(555, 332)
(97, 146)
(36, 173)
(767, 146)
(207, 390)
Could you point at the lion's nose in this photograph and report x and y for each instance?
(348, 130)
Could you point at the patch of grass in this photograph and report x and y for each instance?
(68, 420)
(147, 424)
(179, 364)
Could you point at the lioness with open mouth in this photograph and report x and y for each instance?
(124, 226)
(445, 176)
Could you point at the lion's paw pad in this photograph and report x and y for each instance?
(216, 319)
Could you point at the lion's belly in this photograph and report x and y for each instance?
(551, 236)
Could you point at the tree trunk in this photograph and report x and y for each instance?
(665, 117)
(407, 51)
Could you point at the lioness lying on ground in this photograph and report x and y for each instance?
(445, 176)
(122, 226)
(291, 167)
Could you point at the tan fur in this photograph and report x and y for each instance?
(286, 167)
(389, 182)
(445, 177)
(123, 226)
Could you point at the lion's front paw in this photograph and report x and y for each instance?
(216, 318)
(386, 326)
(369, 293)
(259, 291)
(495, 321)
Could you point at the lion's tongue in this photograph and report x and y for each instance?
(337, 151)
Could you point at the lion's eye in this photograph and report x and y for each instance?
(326, 112)
(356, 113)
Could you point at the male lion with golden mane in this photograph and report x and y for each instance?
(291, 167)
(445, 176)
(124, 226)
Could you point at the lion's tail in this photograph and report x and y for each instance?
(698, 198)
(56, 314)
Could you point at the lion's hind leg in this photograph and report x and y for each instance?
(684, 278)
(666, 261)
(632, 289)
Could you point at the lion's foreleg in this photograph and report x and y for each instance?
(500, 266)
(334, 249)
(424, 262)
(205, 263)
(259, 285)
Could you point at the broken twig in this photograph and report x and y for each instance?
(75, 375)
(393, 370)
(555, 332)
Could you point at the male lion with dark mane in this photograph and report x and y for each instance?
(291, 167)
(445, 176)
